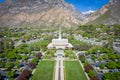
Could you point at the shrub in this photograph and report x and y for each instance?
(88, 68)
(31, 65)
(35, 60)
(9, 65)
(86, 64)
(2, 55)
(118, 64)
(111, 65)
(102, 65)
(24, 57)
(82, 58)
(111, 76)
(11, 74)
(91, 73)
(24, 75)
(17, 63)
(2, 64)
(0, 76)
(39, 55)
(94, 78)
(66, 54)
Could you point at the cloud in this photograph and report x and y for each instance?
(88, 12)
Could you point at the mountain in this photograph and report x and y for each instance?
(108, 14)
(39, 13)
(88, 13)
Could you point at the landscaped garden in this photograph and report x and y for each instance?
(44, 70)
(74, 71)
(40, 45)
(70, 54)
(79, 45)
(100, 63)
(19, 61)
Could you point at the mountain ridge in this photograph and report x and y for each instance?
(109, 14)
(55, 13)
(22, 11)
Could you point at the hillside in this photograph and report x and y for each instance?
(55, 13)
(108, 14)
(39, 12)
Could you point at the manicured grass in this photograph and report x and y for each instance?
(73, 71)
(44, 71)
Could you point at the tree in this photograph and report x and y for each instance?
(24, 57)
(107, 76)
(25, 50)
(0, 76)
(18, 56)
(31, 65)
(82, 58)
(39, 55)
(9, 65)
(93, 57)
(35, 60)
(118, 64)
(111, 65)
(86, 64)
(17, 63)
(88, 68)
(102, 65)
(112, 56)
(24, 75)
(95, 78)
(10, 74)
(66, 54)
(2, 64)
(117, 30)
(111, 76)
(105, 56)
(27, 37)
(2, 55)
(1, 46)
(91, 73)
(71, 37)
(50, 52)
(117, 56)
(11, 55)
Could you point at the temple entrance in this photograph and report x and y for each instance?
(59, 43)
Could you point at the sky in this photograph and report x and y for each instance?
(2, 0)
(86, 5)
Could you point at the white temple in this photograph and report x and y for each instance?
(59, 43)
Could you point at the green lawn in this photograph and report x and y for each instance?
(44, 71)
(73, 71)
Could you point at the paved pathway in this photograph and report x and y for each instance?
(56, 69)
(59, 69)
(62, 69)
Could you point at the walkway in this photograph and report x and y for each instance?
(59, 70)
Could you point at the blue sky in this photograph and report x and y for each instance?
(2, 0)
(86, 5)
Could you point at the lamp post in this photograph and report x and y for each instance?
(98, 53)
(5, 44)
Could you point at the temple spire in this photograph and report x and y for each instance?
(60, 37)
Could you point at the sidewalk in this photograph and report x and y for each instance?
(59, 70)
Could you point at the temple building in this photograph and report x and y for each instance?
(59, 43)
